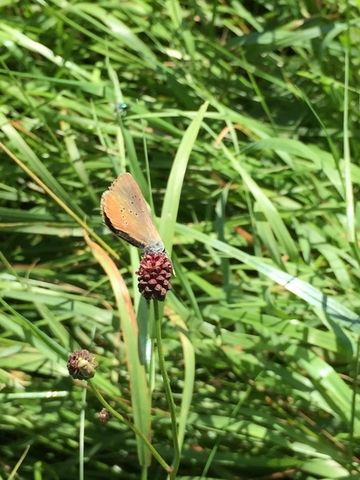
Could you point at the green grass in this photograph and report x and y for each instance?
(243, 136)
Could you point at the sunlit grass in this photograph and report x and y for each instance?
(239, 110)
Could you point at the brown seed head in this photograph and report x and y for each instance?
(81, 364)
(104, 416)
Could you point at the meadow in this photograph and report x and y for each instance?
(239, 122)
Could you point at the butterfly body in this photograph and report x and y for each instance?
(125, 212)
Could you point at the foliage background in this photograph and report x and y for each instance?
(265, 244)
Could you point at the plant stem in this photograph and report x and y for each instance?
(130, 424)
(168, 392)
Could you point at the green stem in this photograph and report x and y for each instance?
(128, 422)
(168, 392)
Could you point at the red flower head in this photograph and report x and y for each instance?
(154, 276)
